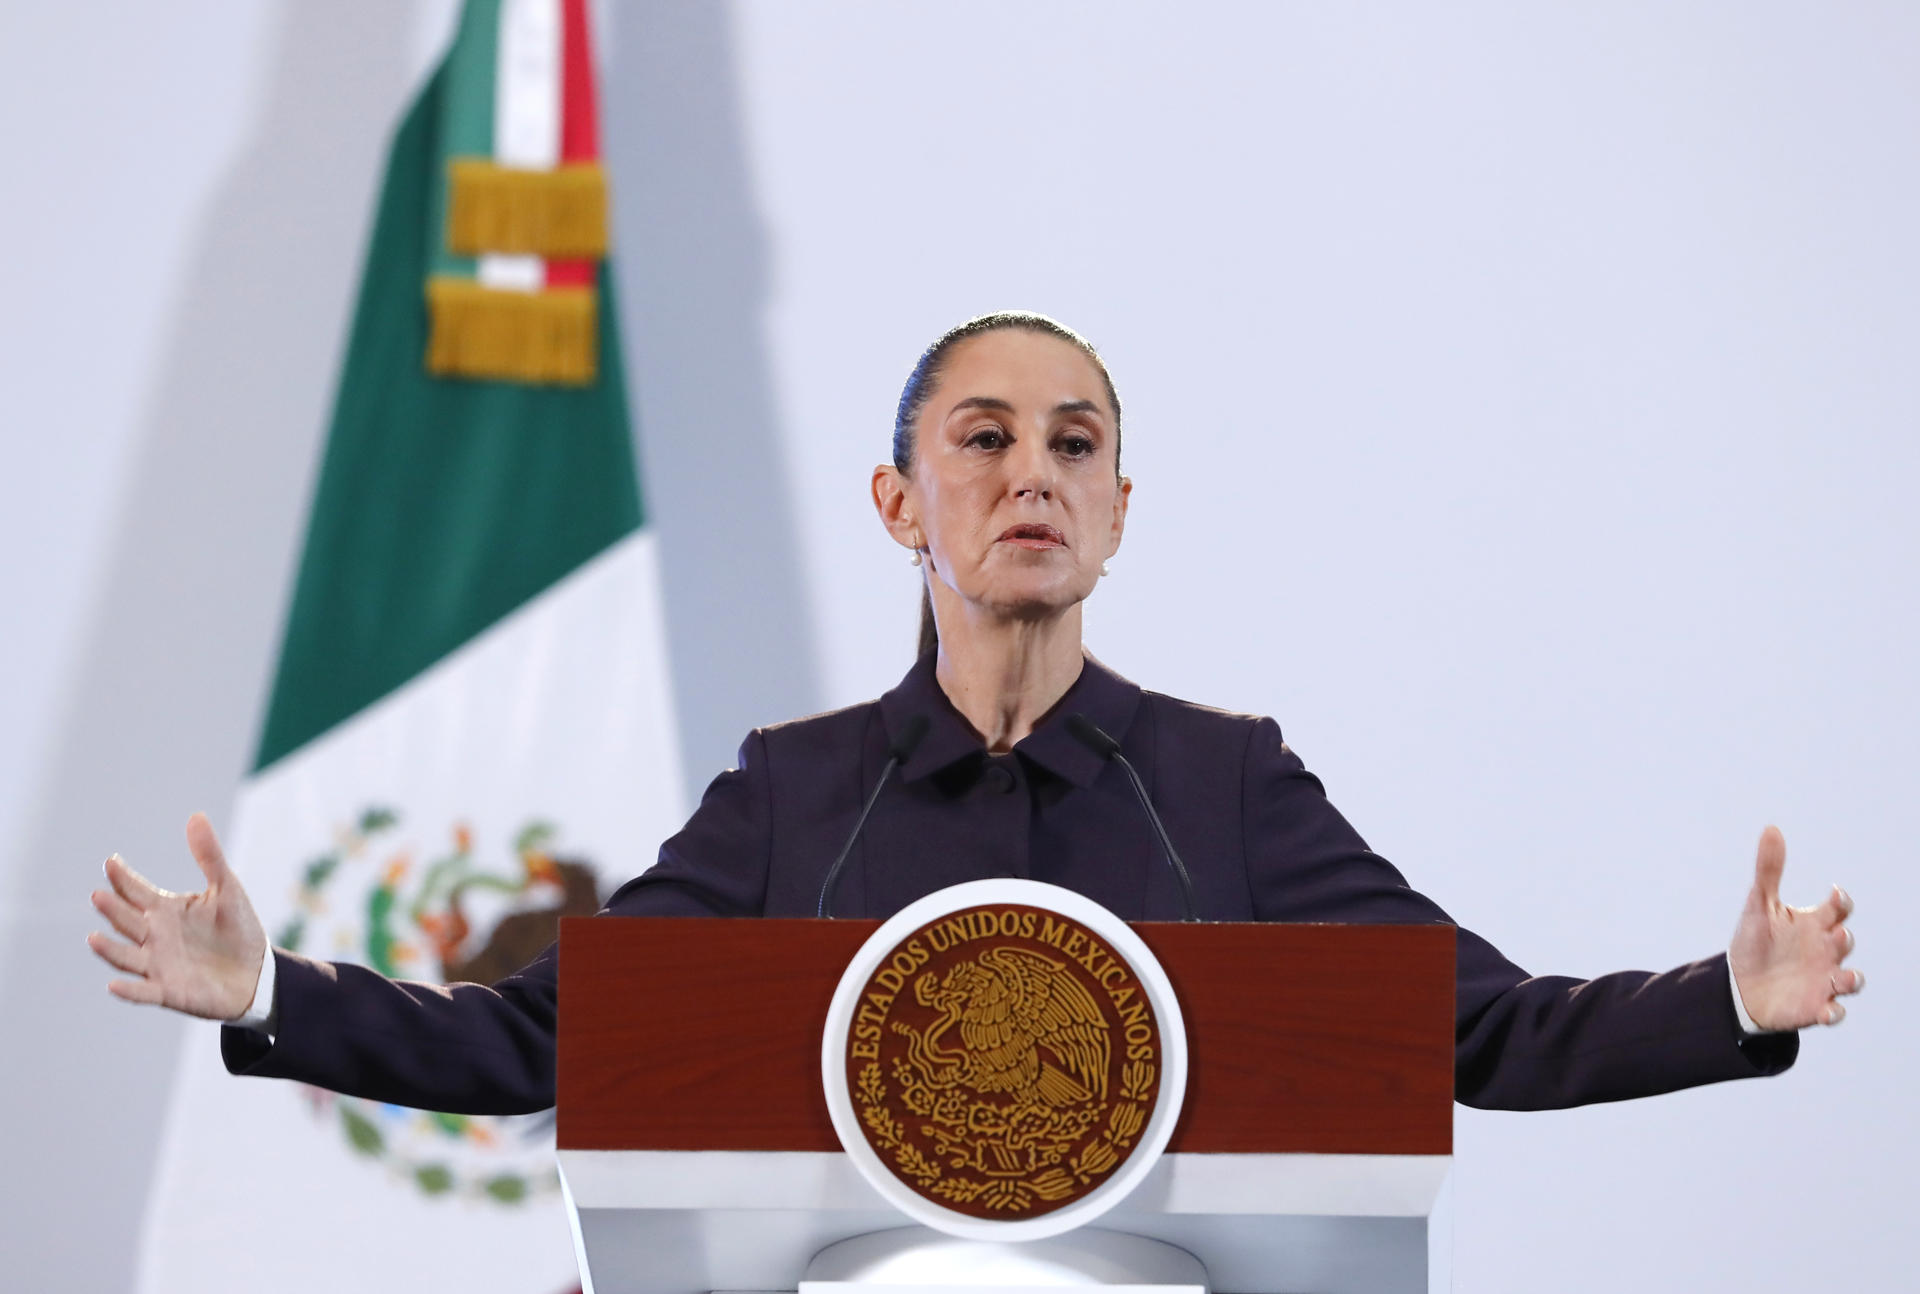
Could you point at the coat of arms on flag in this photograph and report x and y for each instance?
(434, 904)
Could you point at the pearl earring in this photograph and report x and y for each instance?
(915, 559)
(1104, 570)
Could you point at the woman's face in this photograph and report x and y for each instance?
(1014, 497)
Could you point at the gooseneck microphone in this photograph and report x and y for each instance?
(1090, 735)
(911, 734)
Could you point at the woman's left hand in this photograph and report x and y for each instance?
(1786, 961)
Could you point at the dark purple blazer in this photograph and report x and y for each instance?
(1253, 825)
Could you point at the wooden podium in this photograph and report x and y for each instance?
(1311, 1154)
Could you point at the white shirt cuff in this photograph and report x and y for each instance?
(1747, 1026)
(259, 1013)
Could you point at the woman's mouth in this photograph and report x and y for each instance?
(1033, 536)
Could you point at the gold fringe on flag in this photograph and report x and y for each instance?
(482, 332)
(561, 213)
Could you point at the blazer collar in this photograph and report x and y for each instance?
(1099, 693)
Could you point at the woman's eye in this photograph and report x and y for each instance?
(1077, 446)
(989, 438)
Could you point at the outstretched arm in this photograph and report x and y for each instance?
(461, 1048)
(1546, 1041)
(466, 1048)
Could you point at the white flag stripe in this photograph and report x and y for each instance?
(526, 87)
(511, 273)
(527, 106)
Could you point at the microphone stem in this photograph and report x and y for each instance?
(833, 873)
(1160, 830)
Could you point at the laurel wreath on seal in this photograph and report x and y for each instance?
(1124, 1120)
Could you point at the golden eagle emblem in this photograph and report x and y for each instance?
(1025, 1027)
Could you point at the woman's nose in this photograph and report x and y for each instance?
(1033, 470)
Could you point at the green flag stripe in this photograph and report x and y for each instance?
(466, 115)
(442, 505)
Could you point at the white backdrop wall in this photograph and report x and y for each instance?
(1517, 396)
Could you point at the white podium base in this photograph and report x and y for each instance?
(687, 1222)
(917, 1260)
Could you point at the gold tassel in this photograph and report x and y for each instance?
(561, 213)
(482, 332)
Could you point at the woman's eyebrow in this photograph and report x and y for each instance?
(983, 402)
(997, 405)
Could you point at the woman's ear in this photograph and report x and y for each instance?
(1122, 491)
(895, 508)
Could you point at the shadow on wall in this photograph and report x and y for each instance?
(692, 259)
(176, 654)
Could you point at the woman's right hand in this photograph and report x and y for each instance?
(196, 953)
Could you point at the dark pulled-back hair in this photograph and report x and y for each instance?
(925, 378)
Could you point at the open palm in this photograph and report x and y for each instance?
(197, 953)
(1787, 961)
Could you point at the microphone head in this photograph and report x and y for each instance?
(912, 733)
(1089, 734)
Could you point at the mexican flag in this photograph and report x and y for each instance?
(470, 731)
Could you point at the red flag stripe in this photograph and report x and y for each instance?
(579, 115)
(579, 119)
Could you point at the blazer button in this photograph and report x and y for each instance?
(998, 777)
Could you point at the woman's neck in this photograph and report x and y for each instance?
(1003, 676)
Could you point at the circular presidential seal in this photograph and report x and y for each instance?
(1004, 1059)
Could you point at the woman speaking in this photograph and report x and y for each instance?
(994, 757)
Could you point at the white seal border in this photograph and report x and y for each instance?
(989, 893)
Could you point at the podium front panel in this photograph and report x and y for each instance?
(687, 1034)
